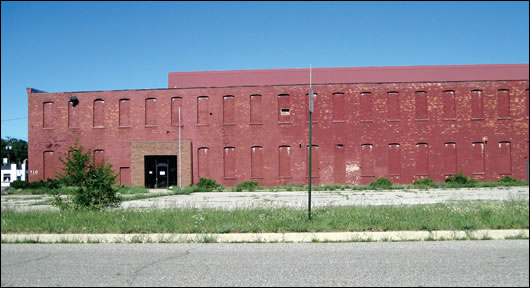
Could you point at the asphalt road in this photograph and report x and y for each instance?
(447, 263)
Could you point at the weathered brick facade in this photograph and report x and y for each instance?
(403, 123)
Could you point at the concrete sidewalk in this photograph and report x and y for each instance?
(268, 237)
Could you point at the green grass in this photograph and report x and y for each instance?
(466, 215)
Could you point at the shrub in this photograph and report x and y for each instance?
(381, 183)
(424, 182)
(247, 186)
(207, 185)
(94, 182)
(509, 180)
(460, 179)
(18, 184)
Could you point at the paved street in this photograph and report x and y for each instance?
(445, 263)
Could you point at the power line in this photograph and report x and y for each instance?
(13, 119)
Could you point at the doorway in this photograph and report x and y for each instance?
(160, 171)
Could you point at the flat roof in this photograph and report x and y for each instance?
(387, 74)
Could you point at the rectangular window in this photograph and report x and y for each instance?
(394, 159)
(255, 109)
(503, 103)
(340, 164)
(125, 176)
(73, 114)
(421, 104)
(478, 157)
(284, 108)
(504, 158)
(256, 159)
(99, 113)
(202, 110)
(449, 158)
(150, 112)
(393, 106)
(315, 162)
(230, 162)
(338, 107)
(48, 120)
(422, 159)
(125, 107)
(449, 102)
(204, 171)
(367, 106)
(367, 160)
(49, 165)
(98, 157)
(285, 161)
(176, 104)
(228, 109)
(477, 105)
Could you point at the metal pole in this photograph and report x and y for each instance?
(180, 158)
(310, 101)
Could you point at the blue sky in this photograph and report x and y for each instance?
(84, 46)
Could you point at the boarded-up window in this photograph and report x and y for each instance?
(503, 103)
(316, 111)
(478, 157)
(393, 106)
(73, 114)
(339, 164)
(99, 113)
(449, 158)
(125, 113)
(125, 176)
(527, 104)
(422, 159)
(449, 102)
(202, 110)
(230, 162)
(256, 159)
(338, 107)
(285, 161)
(204, 171)
(504, 158)
(255, 109)
(98, 157)
(421, 104)
(176, 104)
(367, 106)
(367, 160)
(228, 109)
(394, 159)
(477, 105)
(315, 162)
(49, 165)
(150, 112)
(48, 119)
(284, 108)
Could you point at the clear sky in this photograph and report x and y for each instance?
(85, 46)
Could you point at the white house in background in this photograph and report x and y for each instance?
(10, 172)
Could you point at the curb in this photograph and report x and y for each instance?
(269, 237)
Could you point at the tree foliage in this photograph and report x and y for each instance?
(18, 152)
(93, 181)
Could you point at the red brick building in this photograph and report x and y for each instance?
(403, 123)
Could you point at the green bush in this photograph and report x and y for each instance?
(424, 182)
(460, 179)
(381, 183)
(247, 186)
(93, 182)
(18, 184)
(207, 185)
(510, 180)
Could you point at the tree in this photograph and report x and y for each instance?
(93, 181)
(18, 152)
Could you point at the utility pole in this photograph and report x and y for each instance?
(311, 106)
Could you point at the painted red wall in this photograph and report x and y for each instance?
(221, 128)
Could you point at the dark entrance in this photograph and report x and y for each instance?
(160, 171)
